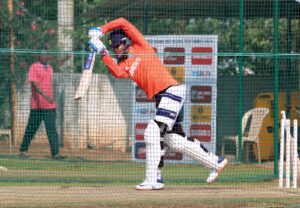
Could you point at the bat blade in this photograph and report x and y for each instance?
(86, 77)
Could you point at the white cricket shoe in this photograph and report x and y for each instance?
(222, 162)
(147, 186)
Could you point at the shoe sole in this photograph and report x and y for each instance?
(58, 158)
(225, 164)
(149, 189)
(220, 170)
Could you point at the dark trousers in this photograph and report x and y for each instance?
(35, 119)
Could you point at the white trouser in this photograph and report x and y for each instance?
(192, 150)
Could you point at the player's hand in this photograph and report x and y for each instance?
(49, 99)
(97, 46)
(95, 32)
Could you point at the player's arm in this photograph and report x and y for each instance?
(97, 46)
(131, 31)
(35, 86)
(116, 70)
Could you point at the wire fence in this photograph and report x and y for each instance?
(234, 56)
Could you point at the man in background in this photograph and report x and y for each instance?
(42, 107)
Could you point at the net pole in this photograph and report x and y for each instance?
(241, 49)
(10, 6)
(276, 78)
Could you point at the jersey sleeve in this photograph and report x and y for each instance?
(130, 30)
(116, 70)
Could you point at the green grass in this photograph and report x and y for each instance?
(28, 171)
(81, 183)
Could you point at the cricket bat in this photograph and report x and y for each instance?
(86, 76)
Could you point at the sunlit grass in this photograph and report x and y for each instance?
(81, 172)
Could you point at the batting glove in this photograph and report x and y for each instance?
(97, 46)
(95, 32)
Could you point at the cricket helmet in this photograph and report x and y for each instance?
(117, 37)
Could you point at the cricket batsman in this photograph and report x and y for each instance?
(137, 60)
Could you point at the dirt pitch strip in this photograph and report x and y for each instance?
(127, 196)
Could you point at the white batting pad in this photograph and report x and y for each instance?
(192, 150)
(153, 151)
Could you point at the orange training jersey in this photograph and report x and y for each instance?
(143, 66)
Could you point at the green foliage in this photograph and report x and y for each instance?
(34, 26)
(32, 29)
(84, 19)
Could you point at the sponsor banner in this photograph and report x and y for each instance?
(192, 60)
(177, 72)
(147, 111)
(201, 94)
(140, 130)
(201, 109)
(174, 56)
(205, 59)
(200, 114)
(201, 73)
(202, 132)
(140, 150)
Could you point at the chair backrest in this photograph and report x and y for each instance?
(257, 115)
(245, 122)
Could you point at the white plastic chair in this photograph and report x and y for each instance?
(251, 134)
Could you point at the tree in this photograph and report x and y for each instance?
(32, 32)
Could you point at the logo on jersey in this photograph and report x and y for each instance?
(134, 66)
